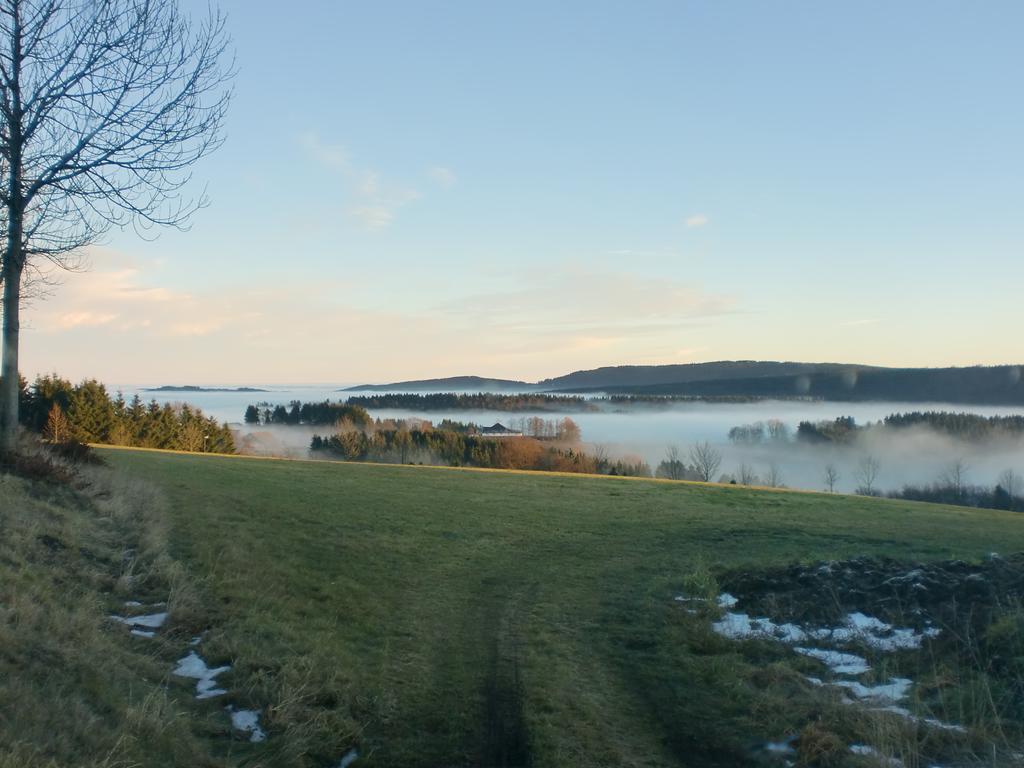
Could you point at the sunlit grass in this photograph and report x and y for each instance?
(438, 617)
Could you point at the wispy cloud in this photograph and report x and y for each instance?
(331, 156)
(372, 216)
(377, 200)
(696, 220)
(445, 177)
(71, 320)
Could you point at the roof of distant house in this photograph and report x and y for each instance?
(498, 429)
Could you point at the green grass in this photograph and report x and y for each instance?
(442, 618)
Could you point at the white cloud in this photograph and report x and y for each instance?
(332, 156)
(373, 216)
(376, 200)
(71, 320)
(445, 177)
(696, 220)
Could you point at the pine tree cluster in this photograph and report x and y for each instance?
(86, 412)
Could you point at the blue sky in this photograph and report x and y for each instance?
(413, 189)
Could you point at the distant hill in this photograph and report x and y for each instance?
(191, 388)
(981, 385)
(451, 384)
(653, 375)
(995, 385)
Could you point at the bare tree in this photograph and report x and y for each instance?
(774, 477)
(747, 475)
(831, 477)
(673, 467)
(867, 474)
(706, 460)
(954, 477)
(104, 107)
(1011, 483)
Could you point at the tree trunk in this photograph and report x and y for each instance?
(14, 252)
(9, 370)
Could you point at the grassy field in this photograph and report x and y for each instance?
(443, 618)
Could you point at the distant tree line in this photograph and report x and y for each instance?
(844, 429)
(353, 414)
(563, 430)
(452, 447)
(668, 400)
(760, 431)
(952, 488)
(481, 401)
(61, 411)
(315, 414)
(962, 426)
(840, 430)
(965, 426)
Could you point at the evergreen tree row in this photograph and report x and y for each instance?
(296, 412)
(62, 411)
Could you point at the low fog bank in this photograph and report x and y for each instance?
(917, 456)
(912, 456)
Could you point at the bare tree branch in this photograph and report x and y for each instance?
(105, 105)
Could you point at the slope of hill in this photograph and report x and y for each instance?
(993, 385)
(653, 375)
(445, 617)
(997, 385)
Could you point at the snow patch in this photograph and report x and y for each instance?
(150, 621)
(840, 663)
(866, 751)
(247, 721)
(740, 626)
(194, 667)
(348, 758)
(147, 633)
(892, 692)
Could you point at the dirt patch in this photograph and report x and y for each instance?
(951, 595)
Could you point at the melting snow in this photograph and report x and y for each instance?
(893, 691)
(780, 747)
(929, 721)
(348, 758)
(151, 621)
(248, 721)
(866, 751)
(143, 633)
(193, 666)
(725, 600)
(874, 633)
(857, 627)
(840, 663)
(739, 626)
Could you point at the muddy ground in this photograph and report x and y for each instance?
(962, 599)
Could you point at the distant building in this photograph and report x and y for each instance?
(499, 430)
